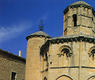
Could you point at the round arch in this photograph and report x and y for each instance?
(91, 78)
(92, 48)
(91, 53)
(64, 77)
(65, 46)
(65, 49)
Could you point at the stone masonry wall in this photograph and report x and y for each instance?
(9, 65)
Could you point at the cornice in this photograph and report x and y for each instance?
(72, 39)
(62, 40)
(79, 5)
(32, 36)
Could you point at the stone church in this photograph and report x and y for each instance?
(71, 57)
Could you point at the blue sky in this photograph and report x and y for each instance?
(20, 18)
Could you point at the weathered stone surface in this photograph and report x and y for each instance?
(10, 63)
(71, 57)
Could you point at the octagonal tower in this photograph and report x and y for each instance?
(79, 19)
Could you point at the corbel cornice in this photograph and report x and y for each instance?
(62, 40)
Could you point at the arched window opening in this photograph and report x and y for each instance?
(75, 19)
(92, 54)
(67, 52)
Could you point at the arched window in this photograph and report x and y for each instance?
(92, 53)
(65, 50)
(65, 55)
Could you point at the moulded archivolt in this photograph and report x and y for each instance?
(64, 77)
(65, 50)
(91, 78)
(91, 53)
